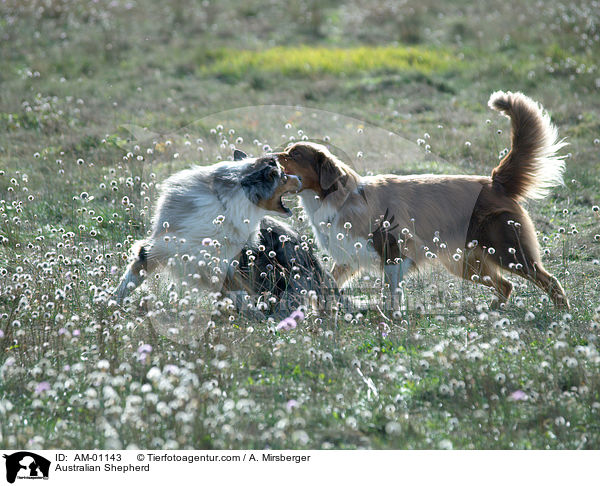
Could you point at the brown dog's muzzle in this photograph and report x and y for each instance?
(300, 168)
(289, 184)
(293, 184)
(289, 165)
(283, 158)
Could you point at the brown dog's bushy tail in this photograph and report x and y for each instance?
(532, 166)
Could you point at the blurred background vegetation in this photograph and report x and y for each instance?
(167, 63)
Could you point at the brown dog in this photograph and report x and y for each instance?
(473, 225)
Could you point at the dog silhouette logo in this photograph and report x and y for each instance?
(26, 465)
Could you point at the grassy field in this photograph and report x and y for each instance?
(101, 101)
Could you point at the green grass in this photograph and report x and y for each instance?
(74, 83)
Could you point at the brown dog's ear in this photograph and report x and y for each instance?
(330, 175)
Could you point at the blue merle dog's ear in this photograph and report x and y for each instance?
(239, 155)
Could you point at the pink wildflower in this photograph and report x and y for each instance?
(287, 324)
(43, 386)
(291, 404)
(518, 395)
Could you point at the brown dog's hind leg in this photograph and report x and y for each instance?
(549, 284)
(518, 252)
(489, 275)
(503, 288)
(476, 270)
(512, 236)
(530, 267)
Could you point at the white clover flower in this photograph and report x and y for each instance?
(300, 437)
(154, 374)
(393, 428)
(103, 365)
